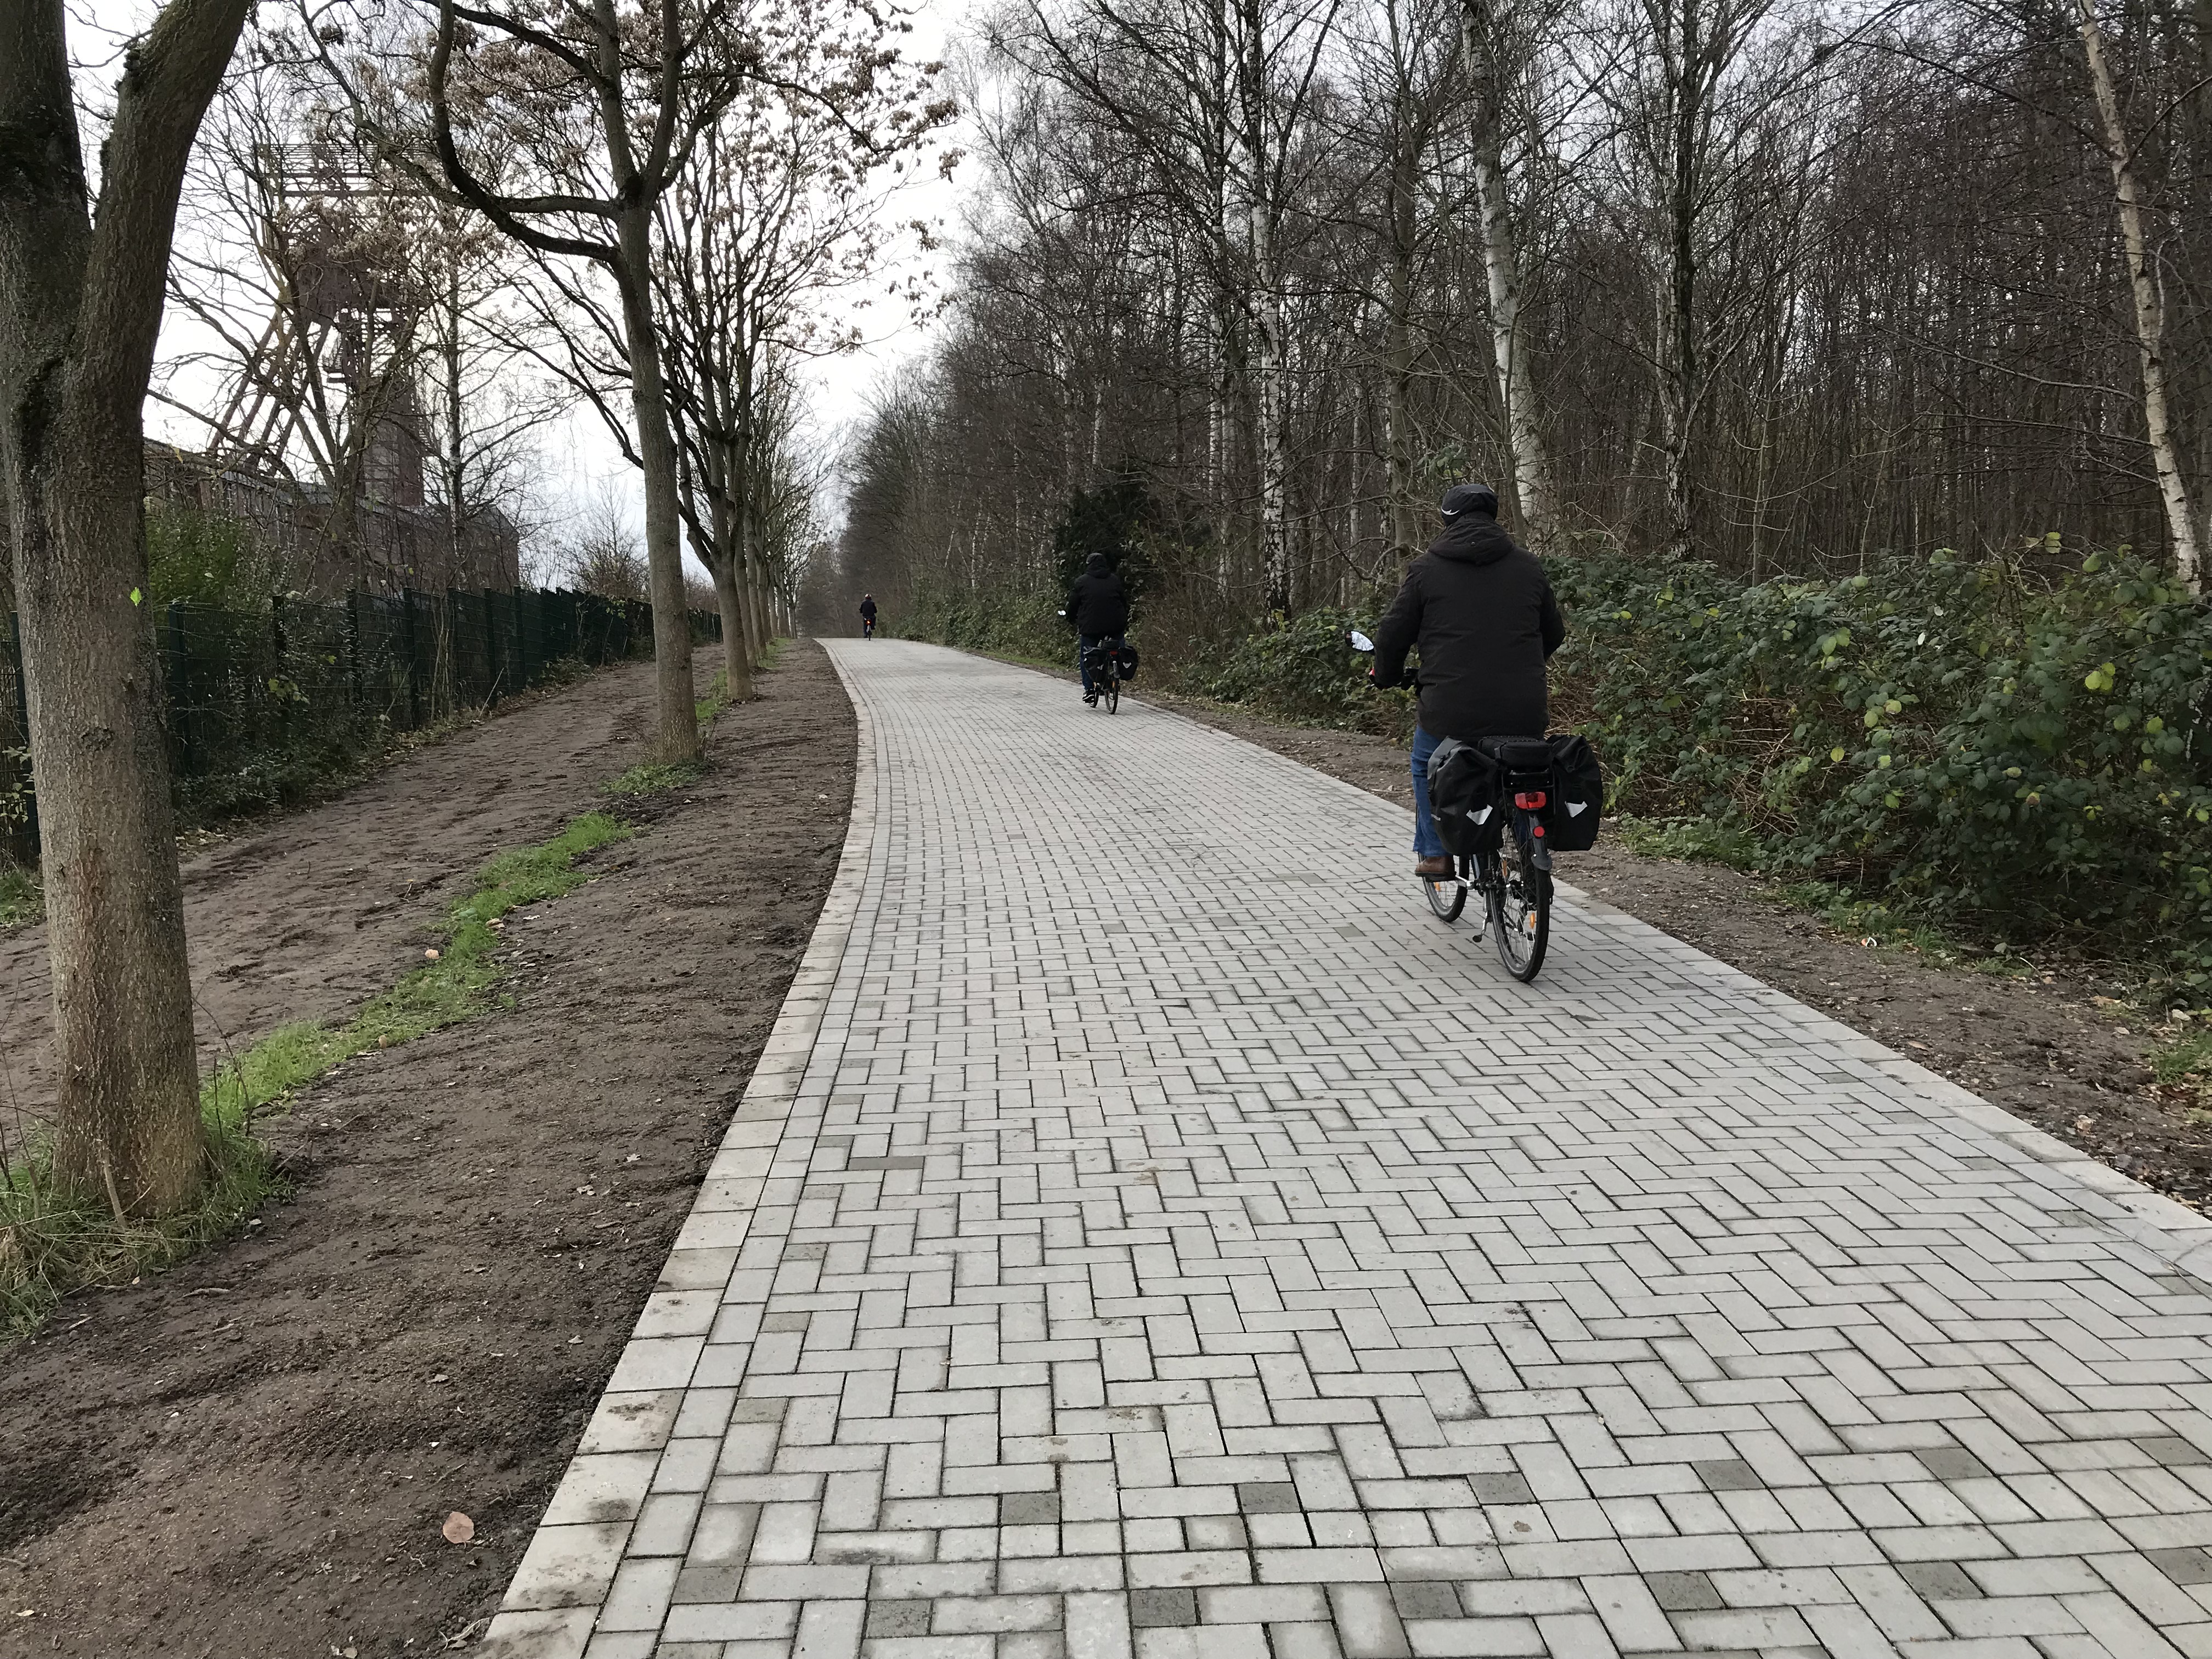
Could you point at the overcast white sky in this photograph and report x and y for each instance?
(580, 454)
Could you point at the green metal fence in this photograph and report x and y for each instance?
(262, 704)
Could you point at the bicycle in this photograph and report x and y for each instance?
(1103, 660)
(1515, 878)
(1102, 664)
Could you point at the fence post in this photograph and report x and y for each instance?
(491, 652)
(273, 716)
(453, 630)
(178, 686)
(23, 725)
(353, 645)
(414, 662)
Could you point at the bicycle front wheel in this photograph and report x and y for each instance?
(1521, 907)
(1447, 895)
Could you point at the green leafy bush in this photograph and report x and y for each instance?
(1006, 622)
(208, 559)
(1965, 737)
(1305, 670)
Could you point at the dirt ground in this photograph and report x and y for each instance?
(251, 1457)
(2037, 1045)
(307, 913)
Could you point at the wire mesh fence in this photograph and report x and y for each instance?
(264, 704)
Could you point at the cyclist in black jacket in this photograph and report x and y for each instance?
(1098, 611)
(1480, 609)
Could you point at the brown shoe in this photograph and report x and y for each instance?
(1432, 869)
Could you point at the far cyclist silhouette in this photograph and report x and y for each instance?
(867, 616)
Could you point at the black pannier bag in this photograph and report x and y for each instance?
(1128, 662)
(1578, 796)
(1463, 800)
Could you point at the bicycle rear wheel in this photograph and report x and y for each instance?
(1111, 696)
(1520, 897)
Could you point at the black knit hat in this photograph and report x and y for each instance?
(1469, 498)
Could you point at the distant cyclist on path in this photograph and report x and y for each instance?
(1098, 611)
(867, 616)
(1480, 609)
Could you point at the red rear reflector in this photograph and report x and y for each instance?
(1530, 802)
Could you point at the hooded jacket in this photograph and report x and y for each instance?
(1481, 610)
(1098, 606)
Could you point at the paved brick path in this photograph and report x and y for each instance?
(1151, 1235)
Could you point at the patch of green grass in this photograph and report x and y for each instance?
(450, 987)
(49, 1246)
(2186, 1059)
(651, 777)
(708, 710)
(52, 1244)
(1876, 924)
(1700, 839)
(21, 900)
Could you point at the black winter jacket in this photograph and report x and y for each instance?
(1481, 610)
(1098, 604)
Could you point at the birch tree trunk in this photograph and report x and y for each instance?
(2182, 528)
(1398, 349)
(81, 303)
(1484, 43)
(1508, 346)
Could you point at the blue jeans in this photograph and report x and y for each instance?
(1427, 844)
(1086, 643)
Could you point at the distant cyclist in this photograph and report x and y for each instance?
(867, 616)
(1098, 611)
(1481, 610)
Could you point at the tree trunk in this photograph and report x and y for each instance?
(80, 306)
(1508, 346)
(679, 738)
(1398, 367)
(2181, 526)
(1682, 364)
(736, 656)
(456, 458)
(729, 599)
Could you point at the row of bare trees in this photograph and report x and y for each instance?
(1781, 283)
(448, 216)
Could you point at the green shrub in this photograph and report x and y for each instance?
(1964, 737)
(1004, 623)
(1306, 672)
(207, 558)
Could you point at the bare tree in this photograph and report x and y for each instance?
(599, 552)
(2185, 534)
(779, 211)
(1216, 98)
(598, 107)
(1781, 286)
(80, 294)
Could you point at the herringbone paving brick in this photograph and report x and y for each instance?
(1149, 1236)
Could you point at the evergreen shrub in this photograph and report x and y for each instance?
(1964, 737)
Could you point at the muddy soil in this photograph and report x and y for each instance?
(2038, 1045)
(251, 1457)
(306, 913)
